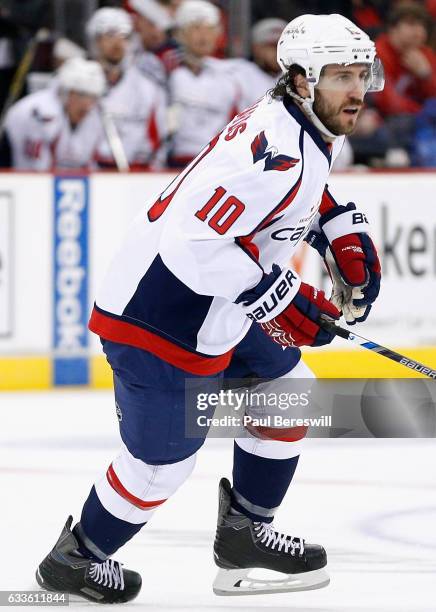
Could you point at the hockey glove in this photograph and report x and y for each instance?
(288, 309)
(351, 260)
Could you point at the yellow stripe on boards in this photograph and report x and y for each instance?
(100, 373)
(21, 373)
(366, 364)
(27, 373)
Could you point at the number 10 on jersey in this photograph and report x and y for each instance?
(225, 216)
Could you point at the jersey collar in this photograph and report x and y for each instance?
(308, 126)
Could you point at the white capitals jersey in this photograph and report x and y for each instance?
(252, 80)
(203, 102)
(245, 202)
(151, 67)
(137, 107)
(41, 136)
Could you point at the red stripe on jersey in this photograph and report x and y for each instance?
(153, 132)
(291, 197)
(288, 200)
(327, 202)
(246, 241)
(122, 332)
(247, 245)
(159, 207)
(117, 486)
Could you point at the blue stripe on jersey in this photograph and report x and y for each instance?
(240, 239)
(166, 306)
(308, 126)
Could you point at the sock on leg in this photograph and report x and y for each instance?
(99, 532)
(260, 483)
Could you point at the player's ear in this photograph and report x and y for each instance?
(301, 86)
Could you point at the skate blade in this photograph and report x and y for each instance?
(239, 582)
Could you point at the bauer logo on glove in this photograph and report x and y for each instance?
(293, 320)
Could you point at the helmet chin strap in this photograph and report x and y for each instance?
(307, 107)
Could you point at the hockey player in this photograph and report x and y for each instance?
(203, 95)
(57, 127)
(132, 102)
(257, 77)
(200, 289)
(155, 54)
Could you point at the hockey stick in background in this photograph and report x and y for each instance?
(21, 73)
(172, 124)
(378, 348)
(114, 140)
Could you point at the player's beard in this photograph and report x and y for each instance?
(332, 117)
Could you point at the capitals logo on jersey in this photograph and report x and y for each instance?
(273, 160)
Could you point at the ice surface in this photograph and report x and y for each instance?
(371, 503)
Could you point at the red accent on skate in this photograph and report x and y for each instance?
(117, 486)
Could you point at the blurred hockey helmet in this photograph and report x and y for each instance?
(83, 76)
(109, 20)
(197, 11)
(153, 11)
(267, 31)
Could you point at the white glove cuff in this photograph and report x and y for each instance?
(276, 299)
(349, 222)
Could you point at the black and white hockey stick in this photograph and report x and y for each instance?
(21, 73)
(378, 348)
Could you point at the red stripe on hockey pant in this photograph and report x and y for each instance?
(127, 333)
(281, 434)
(117, 486)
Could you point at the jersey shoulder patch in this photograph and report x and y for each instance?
(274, 160)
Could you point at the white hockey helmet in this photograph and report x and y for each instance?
(154, 12)
(267, 31)
(109, 20)
(83, 76)
(197, 11)
(315, 41)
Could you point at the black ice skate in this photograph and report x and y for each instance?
(104, 582)
(242, 545)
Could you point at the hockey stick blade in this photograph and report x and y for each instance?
(378, 348)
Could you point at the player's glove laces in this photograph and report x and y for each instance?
(288, 310)
(351, 260)
(108, 574)
(266, 533)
